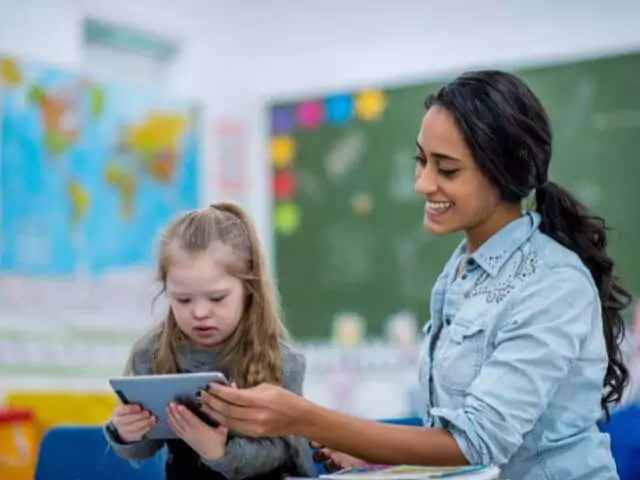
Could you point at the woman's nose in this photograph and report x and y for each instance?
(426, 181)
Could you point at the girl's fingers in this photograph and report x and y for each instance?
(175, 419)
(131, 418)
(188, 419)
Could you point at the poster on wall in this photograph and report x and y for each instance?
(90, 173)
(231, 160)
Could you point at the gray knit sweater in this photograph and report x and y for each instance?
(246, 457)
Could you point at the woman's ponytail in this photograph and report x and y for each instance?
(570, 223)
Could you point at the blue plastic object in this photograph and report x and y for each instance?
(624, 429)
(82, 453)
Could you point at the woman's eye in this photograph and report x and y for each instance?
(448, 173)
(183, 300)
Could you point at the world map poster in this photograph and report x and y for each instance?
(90, 171)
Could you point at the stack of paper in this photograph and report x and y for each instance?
(407, 472)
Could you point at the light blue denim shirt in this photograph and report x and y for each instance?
(514, 358)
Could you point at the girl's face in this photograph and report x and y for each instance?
(206, 301)
(458, 196)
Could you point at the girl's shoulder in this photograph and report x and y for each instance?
(290, 353)
(143, 353)
(294, 367)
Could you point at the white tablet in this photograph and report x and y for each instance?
(156, 392)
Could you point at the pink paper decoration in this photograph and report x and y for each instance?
(636, 325)
(310, 114)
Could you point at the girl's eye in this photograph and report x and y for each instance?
(183, 300)
(420, 160)
(217, 299)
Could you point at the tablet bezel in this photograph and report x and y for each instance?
(156, 392)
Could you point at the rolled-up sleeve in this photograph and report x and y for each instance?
(543, 335)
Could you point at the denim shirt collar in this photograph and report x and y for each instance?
(492, 254)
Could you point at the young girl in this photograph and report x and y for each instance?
(223, 316)
(521, 356)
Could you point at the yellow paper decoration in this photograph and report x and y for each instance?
(348, 329)
(370, 104)
(283, 149)
(362, 204)
(10, 73)
(287, 218)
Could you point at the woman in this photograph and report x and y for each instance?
(525, 318)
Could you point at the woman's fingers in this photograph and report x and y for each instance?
(319, 456)
(332, 466)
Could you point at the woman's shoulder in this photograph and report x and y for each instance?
(557, 263)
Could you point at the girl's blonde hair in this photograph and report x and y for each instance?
(252, 354)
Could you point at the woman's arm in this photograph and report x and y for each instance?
(268, 410)
(376, 442)
(541, 339)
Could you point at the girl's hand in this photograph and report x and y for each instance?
(210, 443)
(132, 422)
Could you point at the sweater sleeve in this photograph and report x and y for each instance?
(140, 364)
(249, 457)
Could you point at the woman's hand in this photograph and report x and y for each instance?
(334, 461)
(263, 411)
(132, 422)
(209, 442)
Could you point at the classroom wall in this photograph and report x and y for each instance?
(235, 56)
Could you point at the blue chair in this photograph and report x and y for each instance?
(82, 453)
(624, 429)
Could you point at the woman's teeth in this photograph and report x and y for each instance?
(439, 206)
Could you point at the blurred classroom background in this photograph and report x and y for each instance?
(115, 115)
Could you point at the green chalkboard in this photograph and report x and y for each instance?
(348, 226)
